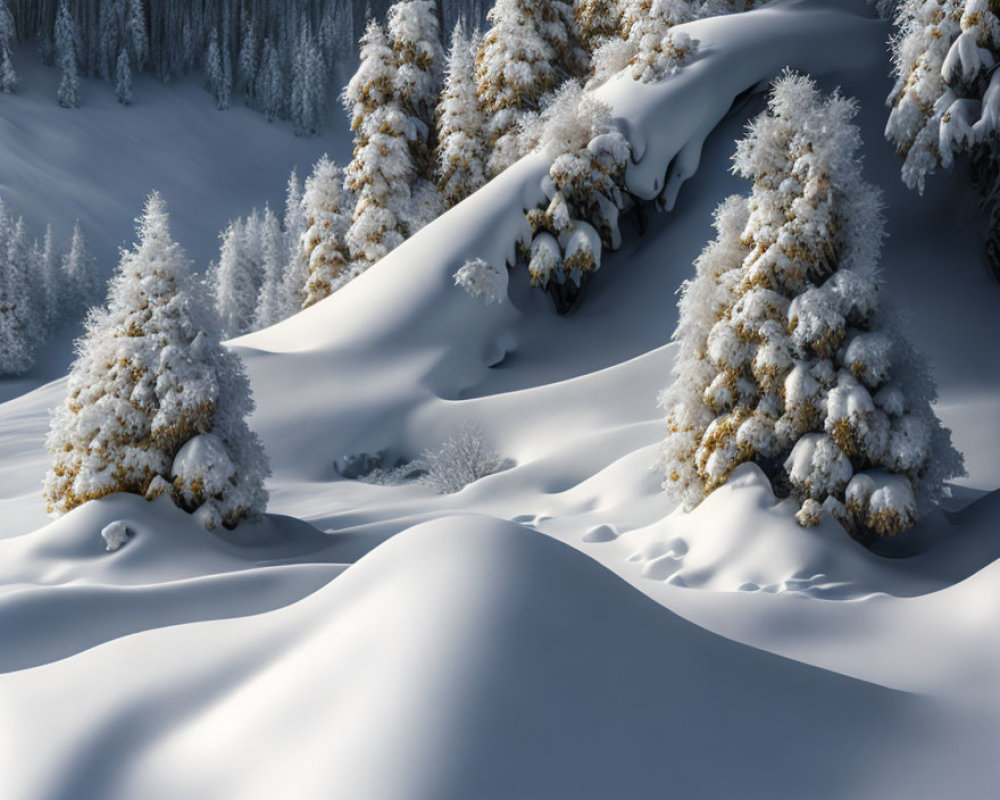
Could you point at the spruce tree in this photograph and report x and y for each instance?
(66, 52)
(123, 79)
(323, 244)
(155, 404)
(8, 38)
(529, 50)
(50, 277)
(79, 271)
(460, 155)
(382, 171)
(415, 34)
(294, 224)
(272, 249)
(787, 356)
(239, 275)
(587, 156)
(21, 321)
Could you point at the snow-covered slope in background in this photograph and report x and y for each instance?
(460, 652)
(97, 163)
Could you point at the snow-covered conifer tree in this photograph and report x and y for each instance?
(294, 224)
(309, 86)
(48, 272)
(382, 171)
(8, 37)
(588, 157)
(270, 89)
(598, 21)
(111, 20)
(79, 270)
(135, 33)
(246, 70)
(460, 156)
(123, 79)
(22, 320)
(66, 52)
(787, 356)
(239, 275)
(946, 101)
(415, 34)
(529, 50)
(272, 251)
(214, 76)
(155, 404)
(323, 243)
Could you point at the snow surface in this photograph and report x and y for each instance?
(387, 641)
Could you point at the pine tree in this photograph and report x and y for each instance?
(382, 170)
(79, 270)
(8, 37)
(66, 53)
(946, 101)
(269, 299)
(239, 275)
(415, 34)
(308, 87)
(21, 321)
(327, 218)
(155, 404)
(597, 21)
(50, 278)
(214, 74)
(135, 33)
(787, 356)
(270, 89)
(123, 79)
(111, 21)
(460, 156)
(529, 50)
(246, 70)
(588, 156)
(294, 224)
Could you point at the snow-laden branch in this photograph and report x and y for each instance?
(667, 122)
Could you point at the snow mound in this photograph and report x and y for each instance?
(447, 663)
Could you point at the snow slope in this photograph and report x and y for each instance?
(97, 163)
(415, 645)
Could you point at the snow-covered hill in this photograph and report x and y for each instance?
(408, 644)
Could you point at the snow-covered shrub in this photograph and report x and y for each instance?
(787, 357)
(946, 100)
(154, 399)
(588, 155)
(460, 155)
(482, 280)
(464, 458)
(531, 47)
